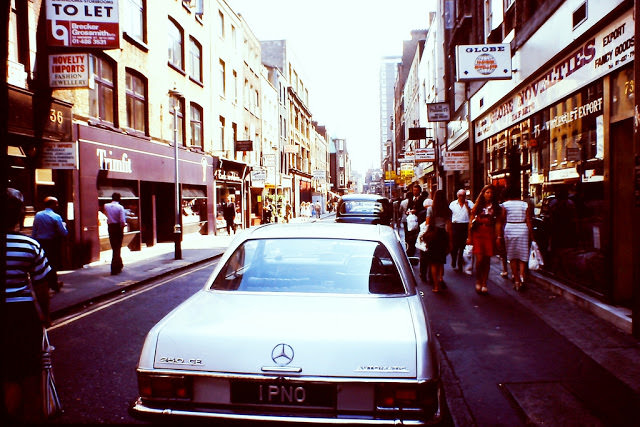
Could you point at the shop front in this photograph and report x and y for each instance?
(38, 126)
(564, 141)
(143, 174)
(229, 178)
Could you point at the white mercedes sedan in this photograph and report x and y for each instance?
(304, 323)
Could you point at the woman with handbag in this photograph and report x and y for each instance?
(517, 234)
(438, 238)
(485, 234)
(22, 332)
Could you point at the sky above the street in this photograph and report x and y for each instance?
(339, 45)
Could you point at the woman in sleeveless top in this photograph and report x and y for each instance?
(517, 235)
(485, 233)
(439, 217)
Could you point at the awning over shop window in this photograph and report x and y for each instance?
(193, 193)
(105, 192)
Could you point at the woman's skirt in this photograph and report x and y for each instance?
(437, 248)
(483, 239)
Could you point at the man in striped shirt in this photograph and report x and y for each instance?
(22, 331)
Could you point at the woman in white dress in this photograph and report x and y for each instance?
(517, 234)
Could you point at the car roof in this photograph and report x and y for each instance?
(322, 230)
(374, 197)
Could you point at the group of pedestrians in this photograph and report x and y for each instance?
(491, 226)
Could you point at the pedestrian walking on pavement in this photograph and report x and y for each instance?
(517, 234)
(460, 214)
(438, 220)
(318, 209)
(49, 230)
(229, 214)
(116, 221)
(485, 233)
(502, 250)
(27, 271)
(415, 205)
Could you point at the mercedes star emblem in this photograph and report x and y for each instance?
(282, 354)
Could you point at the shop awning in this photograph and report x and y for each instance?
(193, 193)
(105, 192)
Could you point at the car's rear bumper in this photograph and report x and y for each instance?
(142, 411)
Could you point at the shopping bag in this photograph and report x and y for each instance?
(412, 222)
(50, 400)
(535, 257)
(420, 243)
(467, 260)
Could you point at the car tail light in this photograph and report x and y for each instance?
(164, 386)
(415, 398)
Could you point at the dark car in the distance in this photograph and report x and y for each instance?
(364, 209)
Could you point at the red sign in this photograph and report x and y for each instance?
(83, 23)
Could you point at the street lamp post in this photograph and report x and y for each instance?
(177, 228)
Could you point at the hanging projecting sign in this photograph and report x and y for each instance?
(69, 70)
(483, 62)
(425, 154)
(455, 160)
(83, 23)
(438, 112)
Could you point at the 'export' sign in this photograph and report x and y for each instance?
(83, 23)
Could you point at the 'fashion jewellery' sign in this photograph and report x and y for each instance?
(83, 23)
(611, 48)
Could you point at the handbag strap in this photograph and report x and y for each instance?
(35, 300)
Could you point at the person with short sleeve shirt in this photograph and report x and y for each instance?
(460, 213)
(116, 221)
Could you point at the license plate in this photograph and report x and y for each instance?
(284, 394)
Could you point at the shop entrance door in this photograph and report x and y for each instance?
(621, 149)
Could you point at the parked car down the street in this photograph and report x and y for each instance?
(304, 323)
(364, 209)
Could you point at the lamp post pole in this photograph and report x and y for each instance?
(177, 228)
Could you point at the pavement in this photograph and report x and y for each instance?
(601, 331)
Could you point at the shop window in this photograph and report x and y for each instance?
(176, 43)
(102, 93)
(136, 102)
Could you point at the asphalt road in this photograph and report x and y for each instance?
(98, 350)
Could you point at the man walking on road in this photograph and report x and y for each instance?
(460, 212)
(116, 221)
(49, 230)
(229, 214)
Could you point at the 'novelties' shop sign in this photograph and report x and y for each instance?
(610, 49)
(83, 23)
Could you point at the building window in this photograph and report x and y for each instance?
(221, 22)
(136, 102)
(195, 59)
(132, 20)
(177, 110)
(220, 146)
(176, 41)
(234, 37)
(102, 96)
(196, 126)
(222, 68)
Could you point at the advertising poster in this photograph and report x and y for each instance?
(83, 23)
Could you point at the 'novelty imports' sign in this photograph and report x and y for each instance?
(69, 70)
(83, 23)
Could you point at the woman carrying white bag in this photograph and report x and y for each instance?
(517, 234)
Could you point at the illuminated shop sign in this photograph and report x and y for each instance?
(610, 49)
